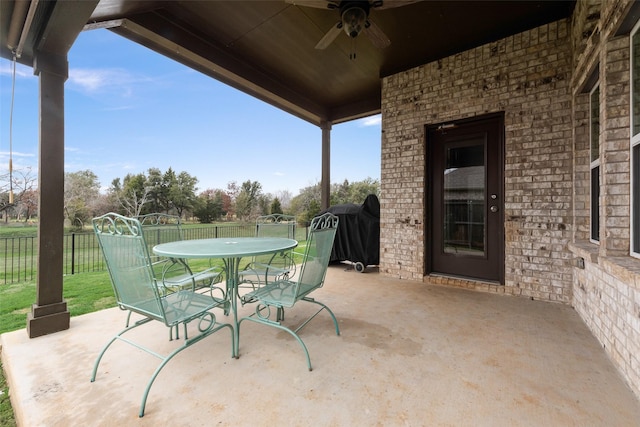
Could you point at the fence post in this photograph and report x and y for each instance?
(73, 252)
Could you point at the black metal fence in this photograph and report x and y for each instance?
(18, 255)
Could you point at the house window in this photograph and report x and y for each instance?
(635, 141)
(594, 156)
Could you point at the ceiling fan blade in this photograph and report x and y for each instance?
(330, 36)
(318, 4)
(376, 35)
(389, 4)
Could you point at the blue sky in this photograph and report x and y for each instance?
(128, 109)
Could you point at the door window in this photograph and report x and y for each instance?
(464, 189)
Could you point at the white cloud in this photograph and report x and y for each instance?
(370, 121)
(94, 80)
(16, 154)
(120, 108)
(6, 69)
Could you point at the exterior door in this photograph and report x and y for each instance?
(465, 198)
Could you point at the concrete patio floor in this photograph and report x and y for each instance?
(409, 354)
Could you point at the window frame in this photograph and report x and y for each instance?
(594, 168)
(634, 196)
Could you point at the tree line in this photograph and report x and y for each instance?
(175, 193)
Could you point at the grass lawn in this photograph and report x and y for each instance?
(84, 293)
(6, 411)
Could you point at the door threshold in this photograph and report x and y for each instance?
(439, 278)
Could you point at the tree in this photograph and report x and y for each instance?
(181, 191)
(232, 190)
(307, 204)
(28, 204)
(22, 184)
(247, 199)
(361, 189)
(306, 201)
(314, 209)
(222, 199)
(209, 206)
(355, 192)
(340, 193)
(81, 190)
(106, 203)
(263, 206)
(133, 194)
(158, 192)
(227, 203)
(275, 206)
(285, 197)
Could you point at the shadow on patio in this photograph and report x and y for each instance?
(409, 354)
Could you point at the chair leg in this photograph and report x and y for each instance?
(171, 332)
(263, 313)
(165, 359)
(284, 328)
(322, 307)
(118, 336)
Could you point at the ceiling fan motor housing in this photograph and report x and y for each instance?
(354, 16)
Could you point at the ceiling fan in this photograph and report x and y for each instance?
(354, 19)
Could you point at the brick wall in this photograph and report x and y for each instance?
(606, 291)
(608, 300)
(527, 77)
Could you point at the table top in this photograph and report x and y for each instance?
(225, 247)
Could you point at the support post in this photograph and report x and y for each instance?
(325, 183)
(49, 314)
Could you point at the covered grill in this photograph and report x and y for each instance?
(358, 235)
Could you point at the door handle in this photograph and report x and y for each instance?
(493, 208)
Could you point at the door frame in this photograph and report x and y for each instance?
(498, 160)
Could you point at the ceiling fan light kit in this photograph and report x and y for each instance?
(354, 17)
(354, 20)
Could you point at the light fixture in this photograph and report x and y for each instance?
(354, 18)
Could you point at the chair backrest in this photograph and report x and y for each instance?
(160, 228)
(276, 225)
(317, 253)
(129, 265)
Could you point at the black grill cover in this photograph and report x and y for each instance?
(358, 235)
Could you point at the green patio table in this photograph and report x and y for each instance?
(231, 251)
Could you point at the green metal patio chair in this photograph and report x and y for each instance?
(176, 274)
(136, 289)
(279, 294)
(270, 267)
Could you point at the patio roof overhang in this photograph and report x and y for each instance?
(266, 48)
